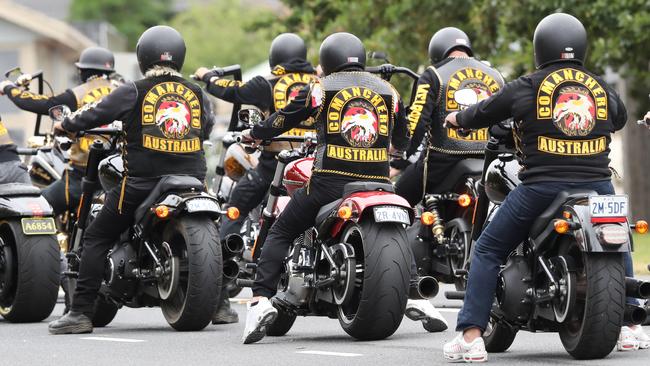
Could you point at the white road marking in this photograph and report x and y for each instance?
(325, 353)
(448, 310)
(108, 339)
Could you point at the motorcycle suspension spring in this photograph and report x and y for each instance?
(431, 205)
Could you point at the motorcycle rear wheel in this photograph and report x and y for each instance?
(194, 240)
(30, 278)
(593, 325)
(376, 308)
(498, 337)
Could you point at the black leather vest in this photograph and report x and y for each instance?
(165, 133)
(354, 125)
(461, 73)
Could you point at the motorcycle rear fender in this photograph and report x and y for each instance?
(585, 235)
(24, 206)
(177, 206)
(361, 202)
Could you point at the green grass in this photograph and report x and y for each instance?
(641, 255)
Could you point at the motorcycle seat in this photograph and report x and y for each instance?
(355, 187)
(18, 189)
(464, 168)
(165, 184)
(325, 211)
(542, 220)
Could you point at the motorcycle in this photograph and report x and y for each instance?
(29, 253)
(354, 264)
(568, 276)
(170, 257)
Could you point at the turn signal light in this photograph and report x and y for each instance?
(561, 226)
(345, 212)
(427, 218)
(162, 211)
(566, 214)
(641, 227)
(464, 200)
(232, 213)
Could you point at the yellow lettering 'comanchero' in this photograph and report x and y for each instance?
(173, 89)
(344, 96)
(461, 77)
(561, 76)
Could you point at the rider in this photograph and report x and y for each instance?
(13, 170)
(289, 73)
(541, 104)
(342, 57)
(150, 152)
(95, 65)
(452, 68)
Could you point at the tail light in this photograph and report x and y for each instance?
(345, 212)
(613, 234)
(464, 200)
(641, 227)
(427, 218)
(162, 211)
(232, 213)
(561, 226)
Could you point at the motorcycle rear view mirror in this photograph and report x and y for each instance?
(59, 112)
(13, 74)
(250, 117)
(465, 97)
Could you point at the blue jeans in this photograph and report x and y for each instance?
(509, 227)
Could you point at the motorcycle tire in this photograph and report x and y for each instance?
(376, 309)
(29, 293)
(499, 337)
(593, 333)
(195, 240)
(282, 323)
(104, 313)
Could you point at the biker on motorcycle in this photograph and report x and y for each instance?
(165, 120)
(289, 73)
(13, 170)
(564, 116)
(95, 65)
(340, 156)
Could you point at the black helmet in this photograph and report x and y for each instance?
(96, 58)
(287, 47)
(341, 50)
(160, 45)
(446, 40)
(559, 37)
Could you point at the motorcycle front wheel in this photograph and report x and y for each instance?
(383, 269)
(194, 242)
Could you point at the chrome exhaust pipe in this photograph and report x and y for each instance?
(634, 314)
(637, 288)
(230, 271)
(425, 288)
(232, 245)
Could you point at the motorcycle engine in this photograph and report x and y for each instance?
(120, 265)
(514, 282)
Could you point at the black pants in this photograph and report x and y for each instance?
(411, 182)
(297, 217)
(102, 233)
(250, 192)
(64, 194)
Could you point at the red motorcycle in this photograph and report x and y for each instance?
(353, 264)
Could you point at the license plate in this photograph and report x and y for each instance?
(392, 214)
(38, 225)
(608, 206)
(201, 204)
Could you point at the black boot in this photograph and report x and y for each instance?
(71, 323)
(225, 314)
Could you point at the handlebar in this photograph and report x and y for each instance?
(101, 131)
(234, 70)
(390, 70)
(27, 150)
(237, 137)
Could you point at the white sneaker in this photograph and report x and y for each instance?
(258, 316)
(627, 340)
(424, 311)
(641, 336)
(459, 350)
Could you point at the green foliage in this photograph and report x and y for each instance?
(223, 33)
(130, 17)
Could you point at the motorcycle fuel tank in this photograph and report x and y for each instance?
(111, 171)
(297, 174)
(502, 177)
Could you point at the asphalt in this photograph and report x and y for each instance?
(142, 337)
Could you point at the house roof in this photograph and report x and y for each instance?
(44, 25)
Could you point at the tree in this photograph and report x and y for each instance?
(223, 33)
(501, 31)
(130, 17)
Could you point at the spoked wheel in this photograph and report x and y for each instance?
(498, 337)
(460, 260)
(375, 306)
(591, 328)
(194, 243)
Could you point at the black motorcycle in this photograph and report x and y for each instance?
(170, 257)
(568, 276)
